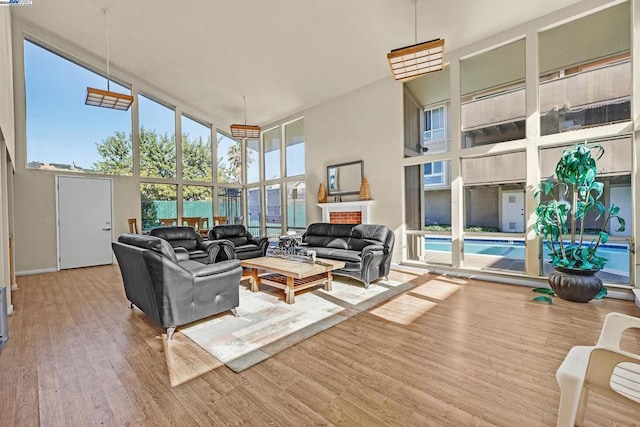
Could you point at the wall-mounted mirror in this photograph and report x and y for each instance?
(345, 178)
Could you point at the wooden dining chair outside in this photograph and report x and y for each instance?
(190, 221)
(203, 226)
(220, 220)
(168, 222)
(133, 225)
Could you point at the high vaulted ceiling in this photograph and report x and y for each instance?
(283, 55)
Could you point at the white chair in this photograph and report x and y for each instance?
(603, 368)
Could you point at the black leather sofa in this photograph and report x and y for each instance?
(244, 244)
(204, 251)
(366, 249)
(169, 287)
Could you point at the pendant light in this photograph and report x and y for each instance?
(418, 59)
(245, 130)
(106, 98)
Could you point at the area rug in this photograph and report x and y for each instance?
(267, 325)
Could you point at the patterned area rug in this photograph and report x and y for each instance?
(268, 325)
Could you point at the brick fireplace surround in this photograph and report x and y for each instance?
(355, 212)
(345, 217)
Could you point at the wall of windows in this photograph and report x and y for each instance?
(513, 103)
(183, 168)
(275, 169)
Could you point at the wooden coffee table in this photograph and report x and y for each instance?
(291, 276)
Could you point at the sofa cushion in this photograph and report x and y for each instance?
(337, 254)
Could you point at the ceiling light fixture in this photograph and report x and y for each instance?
(106, 98)
(420, 58)
(245, 130)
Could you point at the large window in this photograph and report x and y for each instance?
(281, 145)
(585, 72)
(428, 214)
(156, 139)
(159, 205)
(62, 132)
(230, 204)
(271, 154)
(294, 141)
(229, 159)
(296, 205)
(197, 201)
(196, 151)
(254, 211)
(493, 102)
(273, 204)
(252, 163)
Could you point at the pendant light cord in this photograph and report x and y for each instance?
(106, 42)
(415, 20)
(244, 98)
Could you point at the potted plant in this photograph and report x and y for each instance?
(561, 222)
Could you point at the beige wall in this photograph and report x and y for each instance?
(366, 124)
(7, 139)
(6, 82)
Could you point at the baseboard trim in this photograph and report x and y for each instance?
(10, 310)
(14, 287)
(31, 272)
(636, 292)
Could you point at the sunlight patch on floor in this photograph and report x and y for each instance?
(186, 360)
(404, 309)
(436, 289)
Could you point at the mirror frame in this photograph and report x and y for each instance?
(331, 192)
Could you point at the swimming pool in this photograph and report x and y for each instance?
(617, 254)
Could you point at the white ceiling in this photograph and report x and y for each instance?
(284, 55)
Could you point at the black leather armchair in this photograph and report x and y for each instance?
(204, 251)
(169, 287)
(244, 244)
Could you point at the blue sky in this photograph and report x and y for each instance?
(62, 129)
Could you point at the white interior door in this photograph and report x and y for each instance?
(84, 221)
(621, 197)
(512, 212)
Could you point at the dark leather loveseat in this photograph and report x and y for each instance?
(204, 251)
(366, 249)
(244, 244)
(169, 287)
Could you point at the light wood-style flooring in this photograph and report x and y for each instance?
(450, 352)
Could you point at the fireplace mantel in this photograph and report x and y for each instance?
(362, 206)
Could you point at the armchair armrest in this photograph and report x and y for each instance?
(212, 247)
(373, 248)
(262, 242)
(181, 254)
(217, 268)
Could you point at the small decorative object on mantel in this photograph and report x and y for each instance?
(365, 193)
(322, 194)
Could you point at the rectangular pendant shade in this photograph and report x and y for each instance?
(107, 99)
(413, 61)
(245, 131)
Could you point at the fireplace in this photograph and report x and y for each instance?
(357, 212)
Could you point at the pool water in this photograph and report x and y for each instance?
(617, 255)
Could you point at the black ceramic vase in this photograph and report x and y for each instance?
(575, 285)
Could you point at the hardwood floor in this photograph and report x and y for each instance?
(450, 352)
